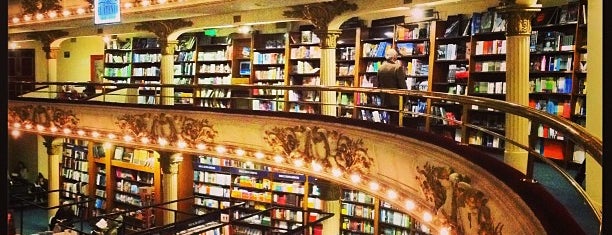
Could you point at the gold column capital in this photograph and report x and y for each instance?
(320, 14)
(167, 46)
(162, 29)
(53, 147)
(328, 38)
(170, 162)
(518, 18)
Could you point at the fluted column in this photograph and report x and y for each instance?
(167, 71)
(170, 165)
(330, 195)
(518, 20)
(54, 151)
(328, 70)
(51, 55)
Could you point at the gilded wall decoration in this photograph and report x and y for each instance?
(42, 115)
(329, 148)
(457, 204)
(166, 126)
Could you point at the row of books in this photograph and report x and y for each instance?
(125, 71)
(357, 210)
(75, 175)
(183, 69)
(132, 175)
(147, 58)
(547, 132)
(490, 66)
(185, 56)
(211, 203)
(557, 63)
(551, 85)
(409, 48)
(217, 55)
(268, 58)
(75, 163)
(490, 87)
(395, 218)
(490, 47)
(345, 53)
(483, 139)
(357, 226)
(215, 68)
(73, 190)
(375, 50)
(305, 67)
(136, 156)
(419, 31)
(555, 107)
(118, 57)
(550, 41)
(273, 73)
(306, 52)
(448, 118)
(214, 103)
(415, 107)
(150, 71)
(451, 51)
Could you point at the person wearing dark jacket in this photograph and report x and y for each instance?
(64, 215)
(391, 74)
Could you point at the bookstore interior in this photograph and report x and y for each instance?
(464, 54)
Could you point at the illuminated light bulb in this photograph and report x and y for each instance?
(388, 34)
(355, 178)
(278, 158)
(52, 14)
(40, 128)
(15, 133)
(244, 29)
(106, 39)
(298, 162)
(111, 136)
(107, 145)
(144, 140)
(417, 13)
(240, 152)
(145, 3)
(336, 172)
(410, 205)
(162, 141)
(95, 134)
(53, 129)
(66, 13)
(128, 5)
(427, 217)
(391, 194)
(221, 149)
(81, 132)
(67, 131)
(445, 231)
(201, 146)
(162, 1)
(28, 126)
(17, 125)
(80, 11)
(259, 155)
(128, 138)
(16, 20)
(374, 186)
(316, 166)
(27, 17)
(181, 144)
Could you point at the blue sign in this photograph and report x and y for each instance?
(107, 11)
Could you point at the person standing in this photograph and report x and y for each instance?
(391, 74)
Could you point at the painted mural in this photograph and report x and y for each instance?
(329, 148)
(43, 115)
(457, 204)
(172, 128)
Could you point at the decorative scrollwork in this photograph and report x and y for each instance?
(329, 148)
(320, 14)
(44, 116)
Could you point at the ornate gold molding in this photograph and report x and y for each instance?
(518, 19)
(169, 162)
(52, 149)
(46, 38)
(329, 38)
(163, 28)
(44, 116)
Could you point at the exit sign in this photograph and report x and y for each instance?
(107, 11)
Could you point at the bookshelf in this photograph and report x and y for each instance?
(268, 65)
(74, 170)
(393, 221)
(305, 63)
(118, 60)
(184, 68)
(580, 71)
(358, 213)
(347, 66)
(99, 187)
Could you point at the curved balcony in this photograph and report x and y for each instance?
(552, 211)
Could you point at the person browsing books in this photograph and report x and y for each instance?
(391, 74)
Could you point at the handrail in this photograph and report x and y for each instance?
(591, 144)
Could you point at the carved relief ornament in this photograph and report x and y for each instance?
(43, 115)
(46, 38)
(162, 29)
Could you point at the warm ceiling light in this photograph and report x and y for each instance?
(162, 1)
(374, 186)
(162, 141)
(336, 172)
(40, 128)
(278, 158)
(95, 134)
(111, 136)
(27, 17)
(81, 132)
(445, 231)
(391, 194)
(144, 140)
(128, 5)
(181, 144)
(28, 126)
(240, 152)
(355, 178)
(16, 20)
(298, 162)
(417, 13)
(244, 29)
(221, 149)
(66, 13)
(67, 131)
(107, 145)
(259, 155)
(52, 14)
(316, 166)
(39, 16)
(427, 217)
(410, 205)
(145, 3)
(17, 125)
(15, 133)
(127, 138)
(13, 45)
(80, 11)
(53, 129)
(200, 146)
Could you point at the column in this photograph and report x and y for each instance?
(169, 165)
(51, 55)
(54, 151)
(518, 30)
(330, 195)
(167, 71)
(328, 70)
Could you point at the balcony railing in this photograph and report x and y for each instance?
(415, 106)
